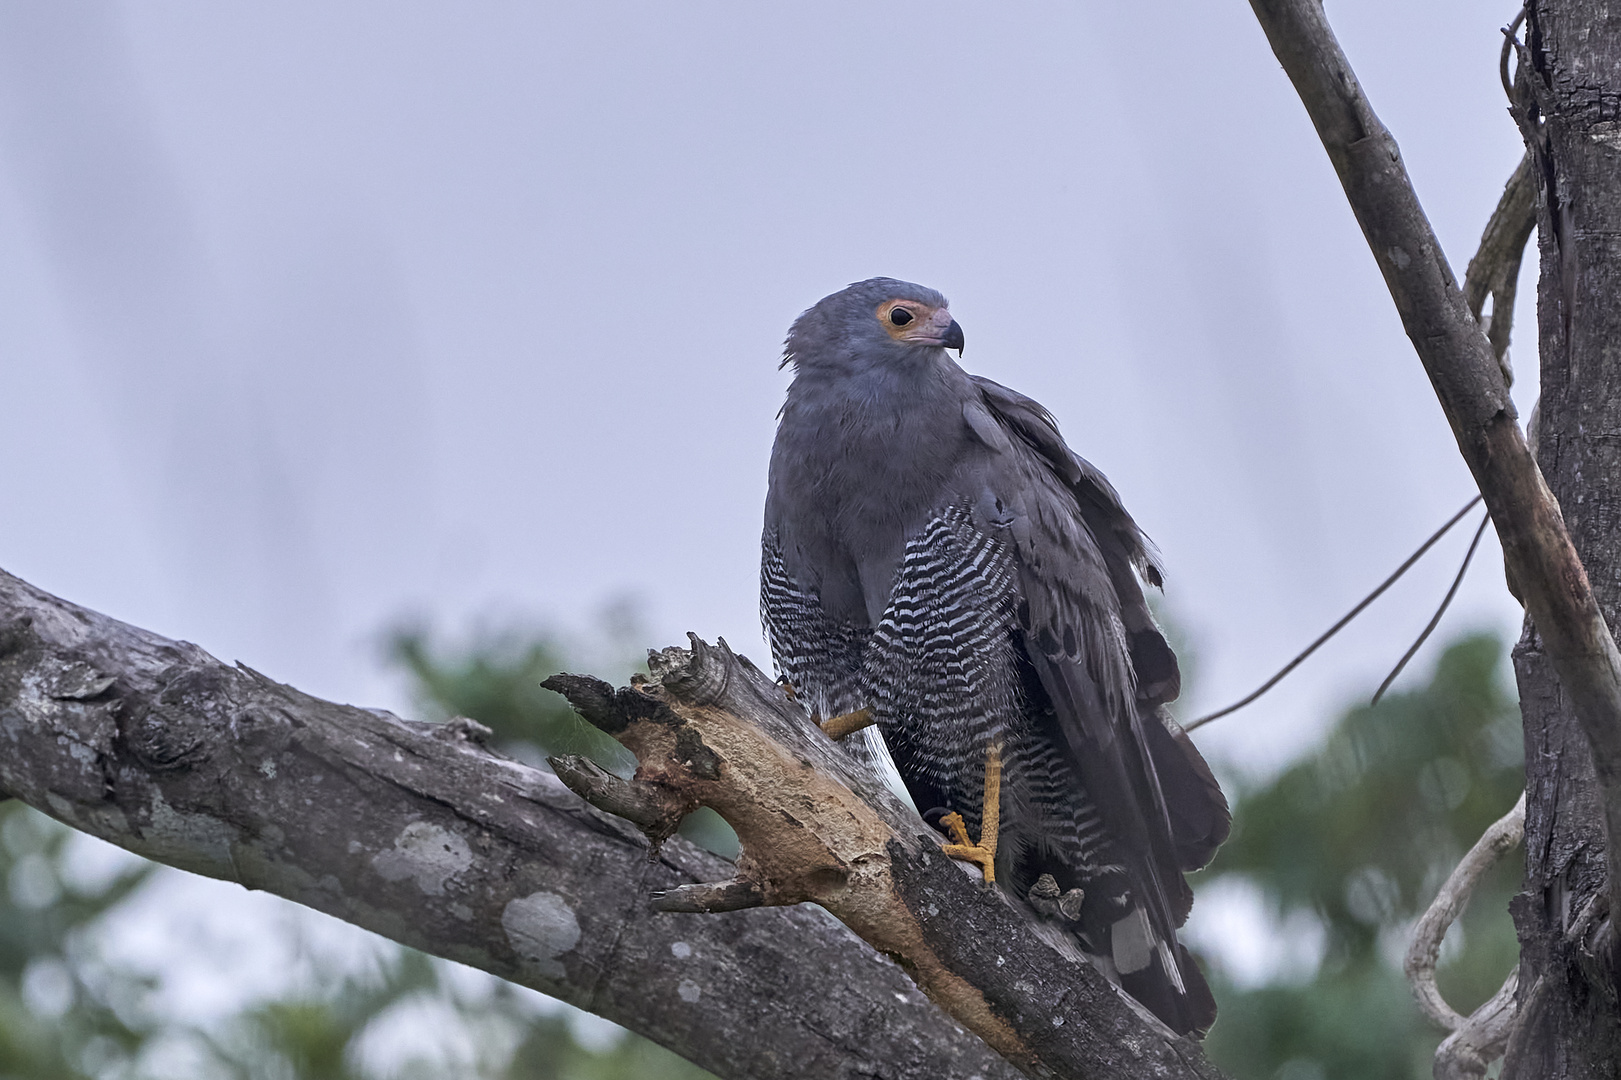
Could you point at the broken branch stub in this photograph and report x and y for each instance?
(816, 825)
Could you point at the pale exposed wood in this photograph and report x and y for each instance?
(818, 825)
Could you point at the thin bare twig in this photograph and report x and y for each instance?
(1435, 620)
(1495, 269)
(1503, 836)
(1494, 272)
(1337, 627)
(1509, 35)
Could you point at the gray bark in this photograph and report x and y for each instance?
(1569, 108)
(416, 832)
(1495, 269)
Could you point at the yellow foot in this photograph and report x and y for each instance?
(960, 848)
(851, 722)
(982, 854)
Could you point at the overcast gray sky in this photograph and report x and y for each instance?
(314, 316)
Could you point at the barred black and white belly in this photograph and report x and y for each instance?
(941, 671)
(939, 668)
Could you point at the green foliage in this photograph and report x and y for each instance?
(347, 1030)
(312, 1036)
(63, 1015)
(1357, 838)
(496, 681)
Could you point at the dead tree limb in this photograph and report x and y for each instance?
(1565, 97)
(1480, 1038)
(816, 825)
(1495, 269)
(416, 832)
(1471, 388)
(1424, 948)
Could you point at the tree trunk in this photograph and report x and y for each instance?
(1571, 101)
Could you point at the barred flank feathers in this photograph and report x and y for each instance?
(820, 657)
(940, 671)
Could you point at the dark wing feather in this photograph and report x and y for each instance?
(1067, 565)
(1200, 818)
(1107, 671)
(1119, 541)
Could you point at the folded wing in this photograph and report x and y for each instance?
(1106, 671)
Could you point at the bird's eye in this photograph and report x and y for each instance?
(900, 316)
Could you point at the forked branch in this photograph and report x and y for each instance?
(419, 833)
(1473, 393)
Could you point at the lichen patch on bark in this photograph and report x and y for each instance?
(541, 928)
(428, 854)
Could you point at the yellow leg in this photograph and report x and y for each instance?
(982, 854)
(851, 722)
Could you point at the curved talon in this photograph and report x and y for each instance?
(960, 847)
(982, 854)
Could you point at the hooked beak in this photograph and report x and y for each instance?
(941, 330)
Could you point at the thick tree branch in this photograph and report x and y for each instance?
(1464, 372)
(817, 825)
(416, 832)
(1565, 97)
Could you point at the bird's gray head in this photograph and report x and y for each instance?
(877, 320)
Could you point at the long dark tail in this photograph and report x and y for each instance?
(1174, 989)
